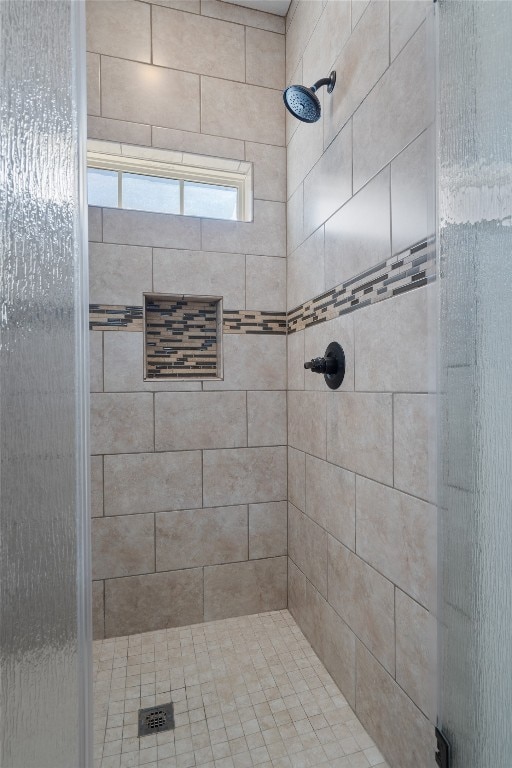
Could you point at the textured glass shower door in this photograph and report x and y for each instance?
(475, 453)
(45, 639)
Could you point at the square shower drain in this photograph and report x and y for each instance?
(156, 719)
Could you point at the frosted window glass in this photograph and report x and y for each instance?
(210, 200)
(150, 193)
(102, 187)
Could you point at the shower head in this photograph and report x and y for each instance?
(303, 103)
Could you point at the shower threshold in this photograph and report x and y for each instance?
(248, 691)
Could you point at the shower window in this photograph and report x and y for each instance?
(165, 181)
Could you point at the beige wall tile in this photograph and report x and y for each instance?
(318, 337)
(170, 138)
(252, 361)
(265, 283)
(297, 478)
(351, 246)
(360, 434)
(239, 589)
(396, 111)
(96, 361)
(241, 111)
(396, 534)
(118, 274)
(403, 734)
(332, 640)
(306, 270)
(331, 499)
(295, 220)
(160, 230)
(93, 84)
(365, 600)
(95, 228)
(268, 529)
(358, 9)
(305, 147)
(98, 611)
(266, 235)
(156, 601)
(307, 547)
(196, 537)
(415, 445)
(360, 64)
(124, 366)
(152, 482)
(416, 636)
(265, 59)
(244, 475)
(121, 423)
(384, 365)
(269, 171)
(123, 546)
(405, 18)
(266, 418)
(119, 29)
(198, 273)
(118, 130)
(241, 15)
(142, 93)
(297, 595)
(329, 37)
(191, 6)
(291, 123)
(296, 373)
(329, 184)
(411, 188)
(301, 26)
(188, 420)
(96, 486)
(307, 422)
(194, 43)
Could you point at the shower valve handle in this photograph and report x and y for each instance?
(332, 365)
(323, 365)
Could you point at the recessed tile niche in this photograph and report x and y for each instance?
(182, 337)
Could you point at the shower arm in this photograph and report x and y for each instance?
(328, 81)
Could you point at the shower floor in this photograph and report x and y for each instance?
(247, 692)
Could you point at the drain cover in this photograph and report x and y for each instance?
(156, 719)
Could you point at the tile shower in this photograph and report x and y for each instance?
(264, 493)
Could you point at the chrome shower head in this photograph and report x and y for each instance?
(303, 103)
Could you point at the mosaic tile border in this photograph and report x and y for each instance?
(246, 321)
(407, 270)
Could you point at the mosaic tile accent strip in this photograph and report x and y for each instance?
(245, 321)
(403, 272)
(181, 337)
(111, 317)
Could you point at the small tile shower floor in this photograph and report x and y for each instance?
(247, 692)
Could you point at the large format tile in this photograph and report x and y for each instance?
(160, 230)
(269, 170)
(96, 486)
(123, 546)
(93, 84)
(395, 345)
(360, 433)
(412, 192)
(268, 529)
(118, 274)
(199, 273)
(265, 58)
(242, 15)
(397, 535)
(297, 478)
(95, 224)
(306, 270)
(196, 537)
(415, 445)
(365, 600)
(381, 704)
(394, 113)
(119, 29)
(331, 499)
(351, 244)
(265, 235)
(295, 220)
(360, 64)
(304, 150)
(252, 361)
(266, 418)
(121, 423)
(405, 18)
(105, 129)
(301, 25)
(416, 635)
(295, 362)
(152, 482)
(96, 361)
(265, 287)
(156, 601)
(330, 35)
(241, 111)
(194, 43)
(244, 475)
(188, 420)
(307, 422)
(198, 143)
(307, 547)
(142, 93)
(238, 589)
(98, 611)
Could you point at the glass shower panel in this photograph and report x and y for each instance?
(475, 456)
(44, 559)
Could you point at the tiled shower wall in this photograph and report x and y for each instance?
(362, 520)
(189, 479)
